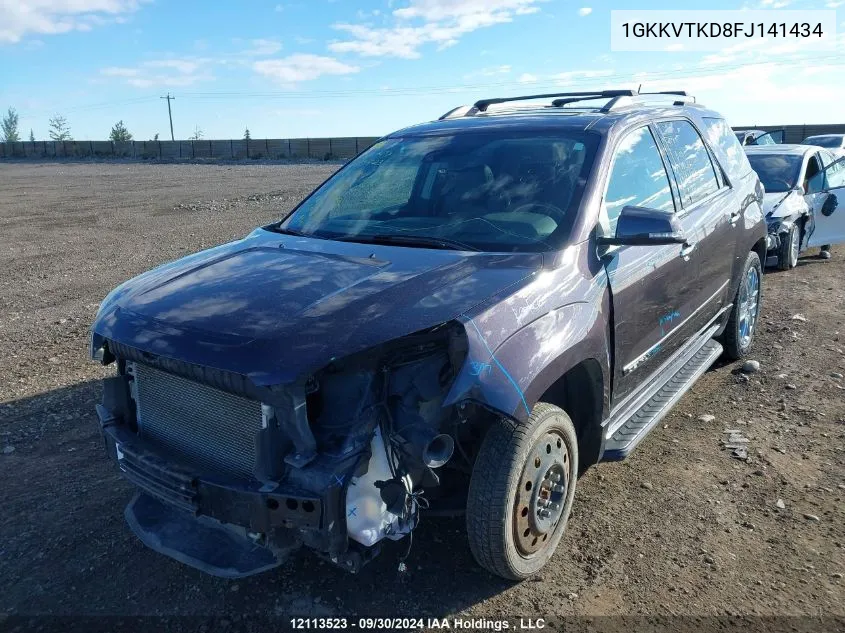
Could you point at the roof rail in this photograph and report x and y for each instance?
(616, 99)
(682, 93)
(481, 106)
(456, 113)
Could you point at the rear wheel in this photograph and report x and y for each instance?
(789, 247)
(742, 324)
(521, 492)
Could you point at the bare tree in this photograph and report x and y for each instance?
(59, 129)
(197, 135)
(31, 136)
(9, 127)
(119, 133)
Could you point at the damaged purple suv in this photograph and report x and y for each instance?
(462, 319)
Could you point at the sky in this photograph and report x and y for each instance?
(297, 68)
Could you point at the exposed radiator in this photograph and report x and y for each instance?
(209, 428)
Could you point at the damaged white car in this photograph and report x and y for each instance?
(835, 143)
(805, 196)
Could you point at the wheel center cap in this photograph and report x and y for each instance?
(547, 501)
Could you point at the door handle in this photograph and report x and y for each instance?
(687, 249)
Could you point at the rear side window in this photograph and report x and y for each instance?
(690, 160)
(638, 177)
(728, 149)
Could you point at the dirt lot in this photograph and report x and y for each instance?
(679, 528)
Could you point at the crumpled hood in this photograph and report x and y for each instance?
(274, 307)
(782, 205)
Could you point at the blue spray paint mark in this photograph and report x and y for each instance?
(503, 370)
(668, 318)
(477, 368)
(338, 480)
(352, 512)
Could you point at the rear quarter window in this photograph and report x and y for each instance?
(727, 148)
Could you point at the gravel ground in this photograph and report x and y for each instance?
(682, 527)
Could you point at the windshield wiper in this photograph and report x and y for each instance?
(294, 232)
(425, 241)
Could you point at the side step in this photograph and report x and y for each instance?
(627, 436)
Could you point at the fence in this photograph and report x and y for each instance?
(289, 148)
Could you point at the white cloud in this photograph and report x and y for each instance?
(490, 71)
(169, 73)
(262, 48)
(19, 18)
(302, 67)
(439, 22)
(584, 11)
(577, 76)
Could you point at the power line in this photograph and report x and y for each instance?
(455, 88)
(442, 89)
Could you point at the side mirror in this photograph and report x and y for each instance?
(829, 205)
(641, 226)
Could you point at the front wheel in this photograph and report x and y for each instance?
(789, 247)
(742, 323)
(521, 492)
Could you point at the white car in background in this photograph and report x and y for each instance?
(805, 199)
(759, 137)
(835, 143)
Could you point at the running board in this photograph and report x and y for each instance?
(626, 436)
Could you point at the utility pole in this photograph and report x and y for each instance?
(170, 114)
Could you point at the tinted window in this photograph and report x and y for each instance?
(832, 177)
(778, 173)
(813, 180)
(638, 177)
(690, 160)
(727, 146)
(486, 191)
(765, 139)
(831, 142)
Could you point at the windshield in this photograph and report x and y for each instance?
(778, 173)
(832, 142)
(478, 191)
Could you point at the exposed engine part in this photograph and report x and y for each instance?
(369, 518)
(438, 451)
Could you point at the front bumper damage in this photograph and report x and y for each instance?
(332, 462)
(778, 232)
(773, 240)
(220, 526)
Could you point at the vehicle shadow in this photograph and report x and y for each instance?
(67, 550)
(811, 260)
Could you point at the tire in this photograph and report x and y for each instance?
(789, 247)
(736, 340)
(504, 468)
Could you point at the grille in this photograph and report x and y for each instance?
(209, 428)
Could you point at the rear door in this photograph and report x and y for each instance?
(710, 211)
(827, 218)
(653, 287)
